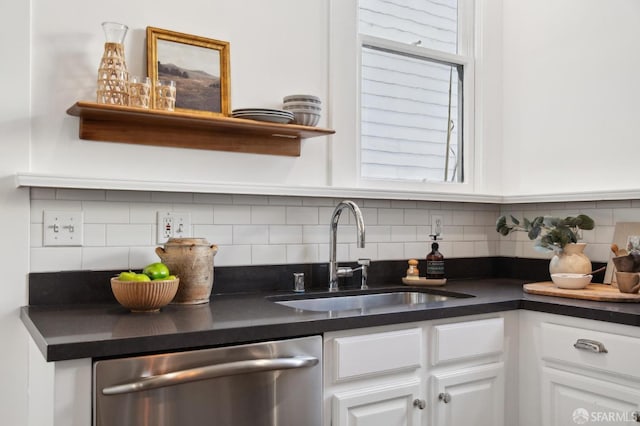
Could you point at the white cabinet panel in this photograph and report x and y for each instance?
(467, 340)
(620, 358)
(569, 398)
(377, 353)
(469, 397)
(385, 405)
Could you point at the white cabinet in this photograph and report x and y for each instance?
(570, 397)
(578, 371)
(389, 404)
(446, 372)
(471, 396)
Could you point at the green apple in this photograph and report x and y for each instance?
(127, 276)
(141, 277)
(156, 271)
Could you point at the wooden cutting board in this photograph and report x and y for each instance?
(599, 292)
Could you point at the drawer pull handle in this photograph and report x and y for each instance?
(590, 345)
(444, 397)
(420, 403)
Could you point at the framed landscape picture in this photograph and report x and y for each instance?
(198, 65)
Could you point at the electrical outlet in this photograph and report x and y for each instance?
(173, 225)
(437, 225)
(62, 228)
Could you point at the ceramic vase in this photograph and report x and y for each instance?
(571, 260)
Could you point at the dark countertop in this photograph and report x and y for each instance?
(64, 332)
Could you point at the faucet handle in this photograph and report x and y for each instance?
(364, 262)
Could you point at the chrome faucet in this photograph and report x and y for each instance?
(334, 271)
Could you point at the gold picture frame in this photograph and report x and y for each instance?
(198, 65)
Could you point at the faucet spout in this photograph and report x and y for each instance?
(334, 272)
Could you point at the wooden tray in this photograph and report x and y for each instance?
(599, 292)
(423, 281)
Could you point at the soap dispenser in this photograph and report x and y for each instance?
(435, 261)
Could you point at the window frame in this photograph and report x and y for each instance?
(345, 64)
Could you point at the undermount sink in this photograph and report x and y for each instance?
(367, 301)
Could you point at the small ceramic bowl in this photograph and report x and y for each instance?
(571, 281)
(144, 296)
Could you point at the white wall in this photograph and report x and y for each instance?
(278, 48)
(14, 209)
(571, 93)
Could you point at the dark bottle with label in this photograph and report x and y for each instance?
(435, 261)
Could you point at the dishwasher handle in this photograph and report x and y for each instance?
(211, 372)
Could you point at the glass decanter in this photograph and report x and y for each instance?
(113, 77)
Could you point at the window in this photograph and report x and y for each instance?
(412, 97)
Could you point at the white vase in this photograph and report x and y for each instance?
(571, 260)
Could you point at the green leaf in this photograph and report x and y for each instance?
(500, 224)
(514, 220)
(585, 222)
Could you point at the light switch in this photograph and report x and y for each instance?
(62, 228)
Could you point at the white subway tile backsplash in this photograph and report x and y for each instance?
(231, 215)
(105, 258)
(250, 234)
(390, 251)
(302, 253)
(403, 233)
(147, 212)
(35, 235)
(233, 255)
(417, 217)
(212, 198)
(285, 234)
(390, 216)
(250, 200)
(120, 227)
(315, 234)
(129, 196)
(105, 212)
(95, 235)
(302, 215)
(215, 234)
(172, 197)
(276, 200)
(42, 193)
(130, 235)
(273, 254)
(139, 257)
(38, 207)
(626, 215)
(53, 259)
(268, 215)
(80, 194)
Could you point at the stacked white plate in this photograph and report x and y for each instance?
(306, 109)
(264, 114)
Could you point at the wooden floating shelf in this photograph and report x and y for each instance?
(111, 123)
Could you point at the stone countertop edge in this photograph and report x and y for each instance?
(109, 330)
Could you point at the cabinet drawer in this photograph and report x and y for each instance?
(621, 356)
(465, 340)
(377, 353)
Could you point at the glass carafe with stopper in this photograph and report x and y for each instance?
(113, 77)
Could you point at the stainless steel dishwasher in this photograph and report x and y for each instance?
(274, 383)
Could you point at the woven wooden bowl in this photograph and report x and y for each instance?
(144, 296)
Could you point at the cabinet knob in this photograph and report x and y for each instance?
(444, 397)
(590, 345)
(420, 403)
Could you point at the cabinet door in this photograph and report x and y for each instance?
(384, 405)
(569, 398)
(469, 397)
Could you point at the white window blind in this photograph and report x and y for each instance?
(411, 99)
